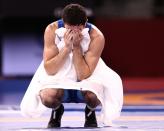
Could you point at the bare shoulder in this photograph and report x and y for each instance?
(50, 48)
(51, 27)
(97, 39)
(49, 34)
(96, 33)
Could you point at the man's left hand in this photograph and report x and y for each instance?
(77, 38)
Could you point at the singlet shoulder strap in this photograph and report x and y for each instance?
(88, 25)
(61, 24)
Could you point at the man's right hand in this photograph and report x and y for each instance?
(68, 39)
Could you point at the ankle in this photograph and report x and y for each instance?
(57, 112)
(90, 108)
(56, 108)
(90, 117)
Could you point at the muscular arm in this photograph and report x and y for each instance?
(86, 64)
(53, 60)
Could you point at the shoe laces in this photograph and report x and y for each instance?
(89, 113)
(54, 114)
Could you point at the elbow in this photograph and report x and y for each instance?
(81, 77)
(48, 69)
(49, 73)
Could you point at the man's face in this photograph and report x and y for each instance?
(75, 28)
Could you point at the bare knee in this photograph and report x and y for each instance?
(51, 97)
(91, 99)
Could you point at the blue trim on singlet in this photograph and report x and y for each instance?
(88, 25)
(61, 24)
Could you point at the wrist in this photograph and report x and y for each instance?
(67, 49)
(77, 47)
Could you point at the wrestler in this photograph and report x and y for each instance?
(74, 19)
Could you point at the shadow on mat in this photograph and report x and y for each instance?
(70, 128)
(37, 128)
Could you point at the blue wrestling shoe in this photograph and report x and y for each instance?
(55, 119)
(90, 118)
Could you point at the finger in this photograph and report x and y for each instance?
(70, 36)
(78, 35)
(68, 31)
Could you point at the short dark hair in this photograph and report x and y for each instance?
(74, 14)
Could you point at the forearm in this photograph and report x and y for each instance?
(53, 65)
(81, 67)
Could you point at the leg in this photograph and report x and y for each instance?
(92, 102)
(52, 98)
(90, 99)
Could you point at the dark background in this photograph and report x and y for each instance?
(133, 29)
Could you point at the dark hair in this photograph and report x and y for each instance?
(74, 14)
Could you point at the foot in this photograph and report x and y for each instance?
(90, 118)
(56, 115)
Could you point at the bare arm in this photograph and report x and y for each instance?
(53, 60)
(86, 64)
